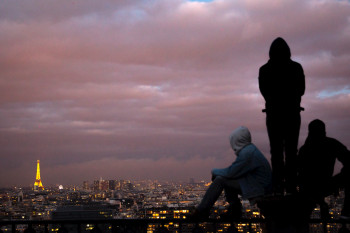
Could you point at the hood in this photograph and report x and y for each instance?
(239, 138)
(279, 50)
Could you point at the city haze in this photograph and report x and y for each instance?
(152, 89)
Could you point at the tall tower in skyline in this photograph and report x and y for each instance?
(38, 185)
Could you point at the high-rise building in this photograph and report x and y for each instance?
(96, 186)
(104, 185)
(38, 185)
(111, 184)
(86, 185)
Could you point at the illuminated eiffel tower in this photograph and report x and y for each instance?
(38, 185)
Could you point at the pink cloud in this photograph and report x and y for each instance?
(163, 82)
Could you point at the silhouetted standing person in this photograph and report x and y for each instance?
(282, 84)
(316, 162)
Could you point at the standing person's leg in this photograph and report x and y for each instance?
(275, 132)
(291, 150)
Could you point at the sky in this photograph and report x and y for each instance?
(151, 89)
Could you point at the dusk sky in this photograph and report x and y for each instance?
(151, 89)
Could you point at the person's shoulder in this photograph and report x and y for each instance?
(331, 140)
(296, 64)
(334, 142)
(251, 149)
(264, 67)
(264, 71)
(247, 150)
(250, 146)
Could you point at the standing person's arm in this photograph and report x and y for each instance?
(301, 81)
(342, 153)
(263, 86)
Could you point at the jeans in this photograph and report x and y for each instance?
(219, 184)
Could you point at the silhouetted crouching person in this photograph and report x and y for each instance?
(249, 175)
(282, 84)
(316, 166)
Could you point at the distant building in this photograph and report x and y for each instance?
(96, 186)
(86, 185)
(167, 213)
(126, 185)
(104, 185)
(83, 212)
(111, 184)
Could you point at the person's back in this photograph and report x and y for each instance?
(317, 156)
(317, 160)
(254, 173)
(281, 80)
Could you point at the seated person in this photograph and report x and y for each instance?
(316, 160)
(249, 175)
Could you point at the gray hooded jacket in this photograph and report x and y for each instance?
(251, 168)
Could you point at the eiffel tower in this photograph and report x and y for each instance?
(38, 185)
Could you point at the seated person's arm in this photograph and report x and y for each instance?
(237, 169)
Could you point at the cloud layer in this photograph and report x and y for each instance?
(152, 89)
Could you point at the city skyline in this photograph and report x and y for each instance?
(152, 89)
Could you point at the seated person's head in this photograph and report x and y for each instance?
(239, 138)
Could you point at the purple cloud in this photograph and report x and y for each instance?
(137, 89)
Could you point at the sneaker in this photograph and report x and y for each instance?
(289, 194)
(344, 216)
(230, 217)
(324, 211)
(291, 191)
(278, 191)
(197, 215)
(232, 213)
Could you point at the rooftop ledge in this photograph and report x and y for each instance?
(169, 225)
